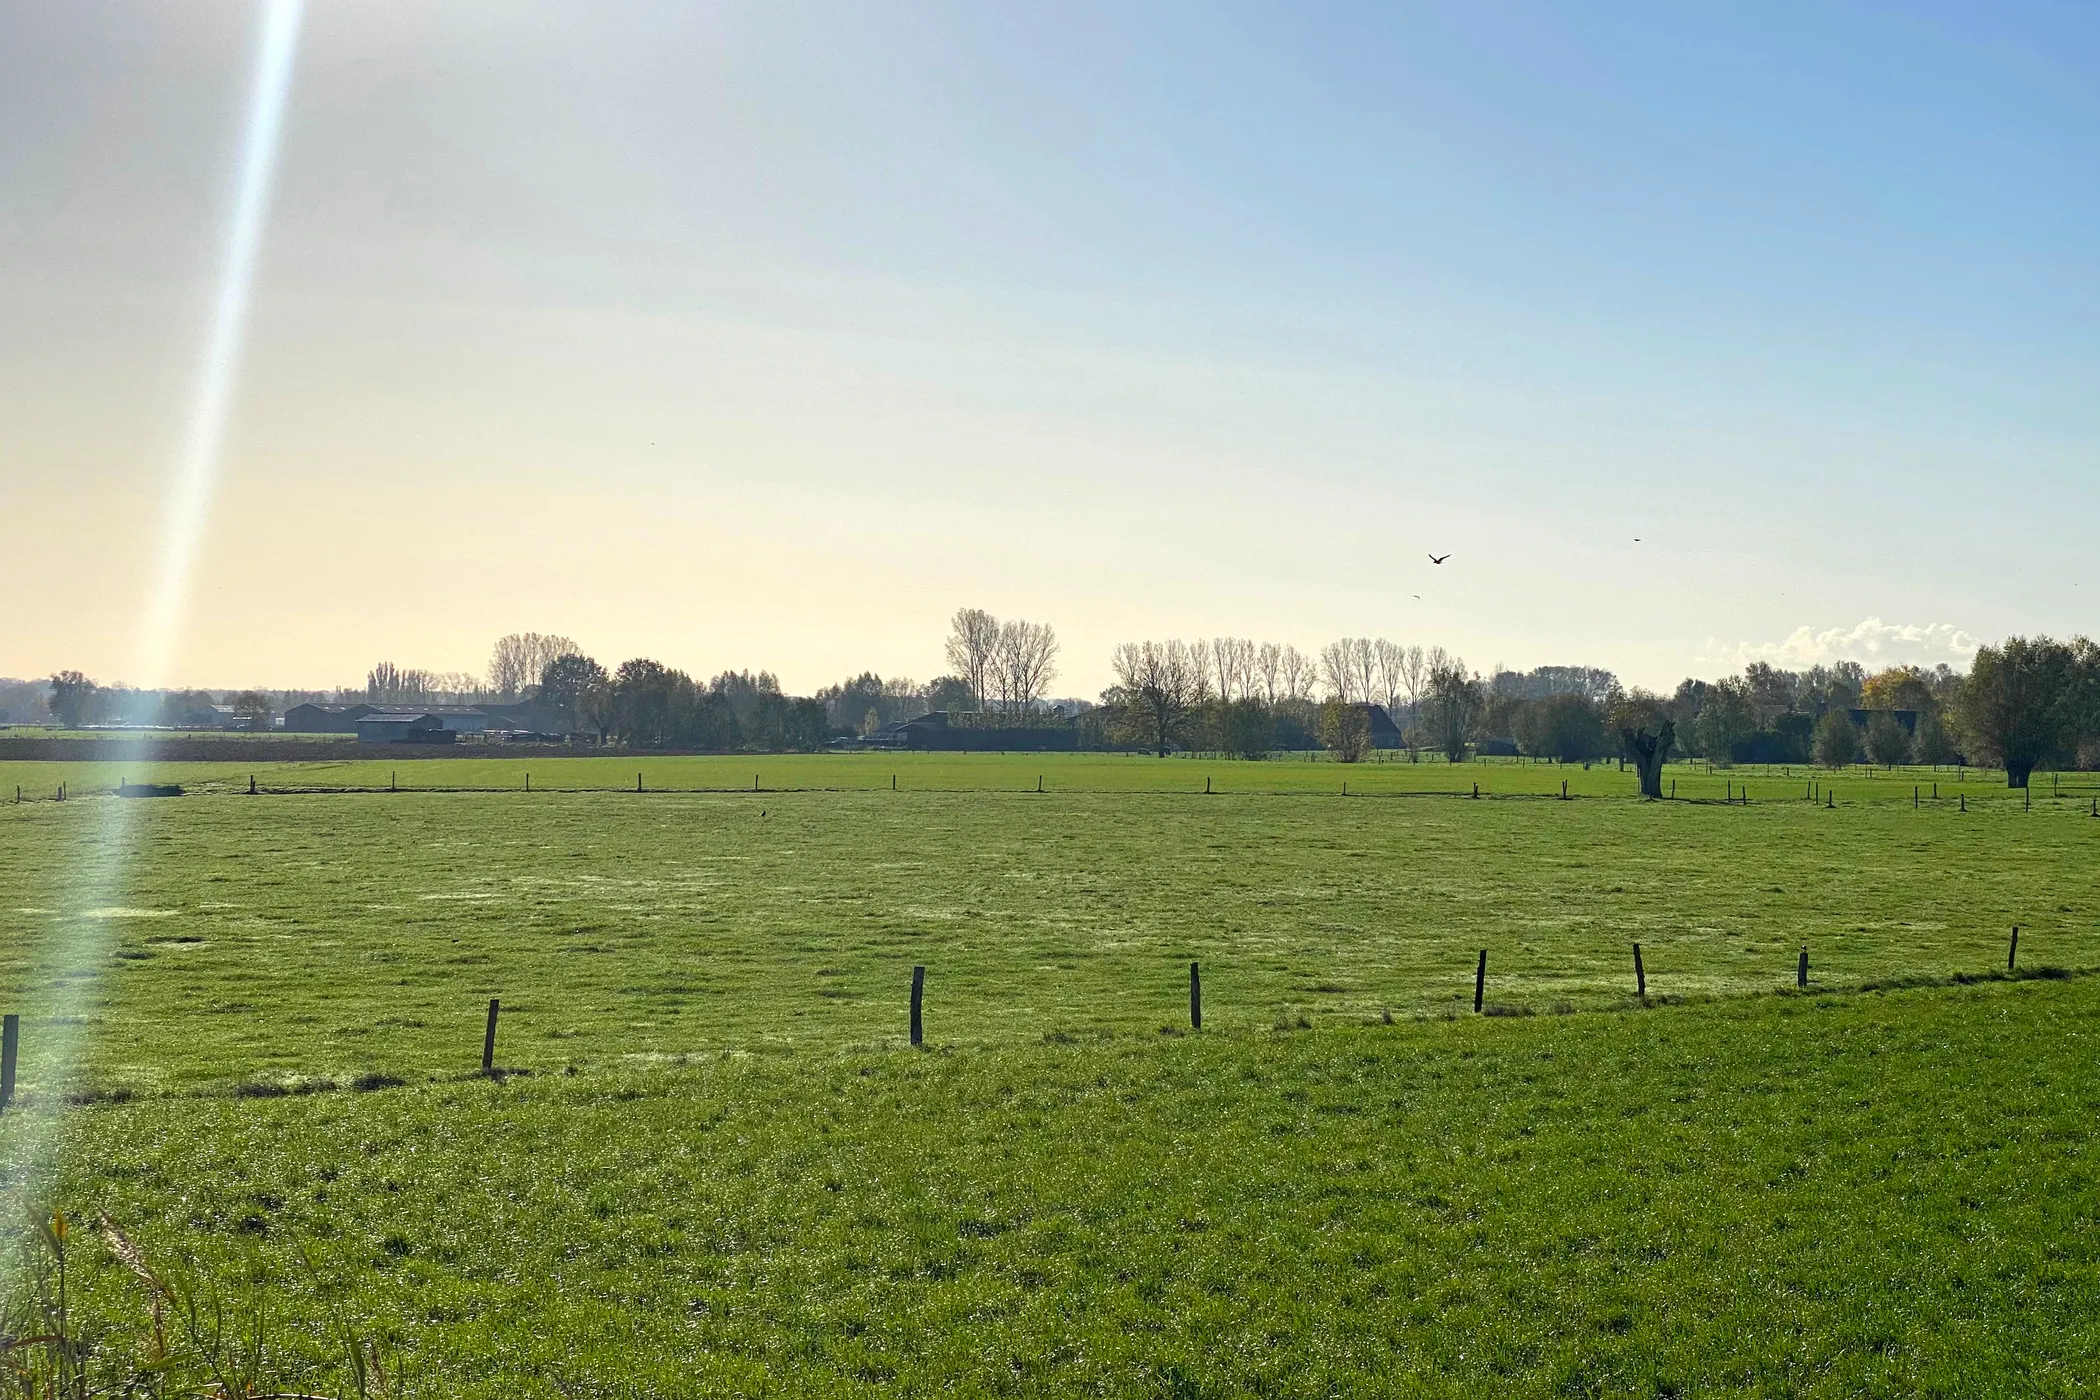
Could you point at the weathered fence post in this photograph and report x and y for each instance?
(1640, 974)
(1801, 968)
(1830, 800)
(393, 783)
(1965, 802)
(1476, 790)
(1564, 788)
(10, 1044)
(1195, 998)
(1914, 796)
(251, 785)
(2012, 949)
(918, 1001)
(1206, 784)
(637, 782)
(488, 1039)
(893, 782)
(528, 781)
(1480, 981)
(1038, 782)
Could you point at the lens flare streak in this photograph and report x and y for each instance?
(66, 993)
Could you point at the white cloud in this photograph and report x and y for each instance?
(1871, 642)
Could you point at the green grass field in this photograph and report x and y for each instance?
(723, 1171)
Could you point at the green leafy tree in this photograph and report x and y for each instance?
(1932, 743)
(1345, 729)
(1244, 728)
(2020, 706)
(1452, 707)
(73, 699)
(1837, 739)
(251, 708)
(1888, 742)
(1568, 727)
(563, 682)
(1726, 718)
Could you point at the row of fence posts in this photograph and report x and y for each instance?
(1814, 790)
(11, 1027)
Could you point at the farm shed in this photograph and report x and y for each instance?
(310, 718)
(413, 727)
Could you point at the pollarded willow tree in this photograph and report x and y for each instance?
(1649, 753)
(2025, 701)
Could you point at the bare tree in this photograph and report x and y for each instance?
(1298, 674)
(1338, 670)
(1268, 664)
(1200, 658)
(1414, 668)
(1386, 658)
(518, 659)
(1158, 684)
(1025, 663)
(973, 643)
(388, 684)
(1363, 663)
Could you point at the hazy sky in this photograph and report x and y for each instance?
(768, 335)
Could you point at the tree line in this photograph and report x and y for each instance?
(2023, 704)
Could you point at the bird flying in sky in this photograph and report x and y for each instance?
(1438, 558)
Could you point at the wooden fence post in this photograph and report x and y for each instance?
(1801, 968)
(488, 1039)
(918, 1001)
(1640, 974)
(251, 785)
(2012, 949)
(1480, 981)
(1195, 998)
(10, 1044)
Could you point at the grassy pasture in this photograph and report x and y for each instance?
(724, 1174)
(1383, 775)
(1888, 1194)
(327, 935)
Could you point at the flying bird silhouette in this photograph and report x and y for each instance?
(1438, 558)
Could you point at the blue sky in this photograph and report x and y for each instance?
(770, 334)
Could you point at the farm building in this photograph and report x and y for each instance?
(1384, 733)
(935, 732)
(310, 718)
(409, 727)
